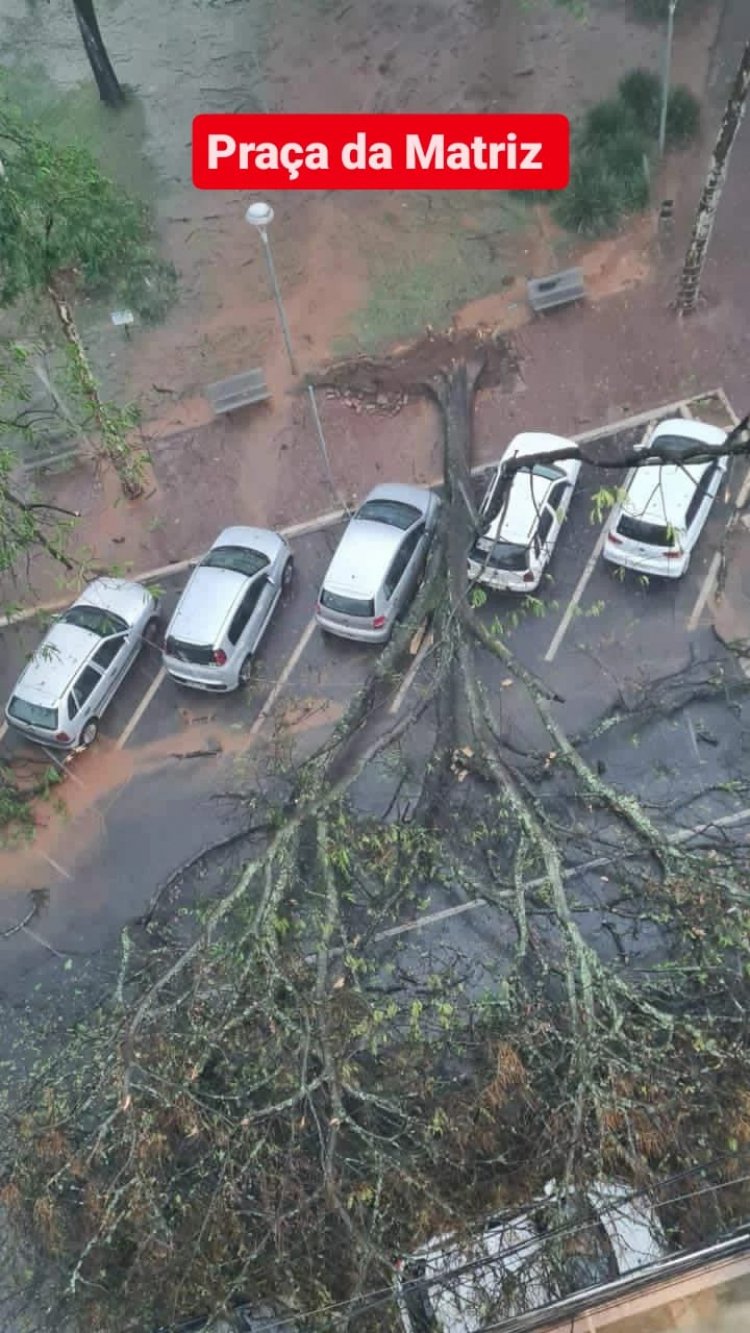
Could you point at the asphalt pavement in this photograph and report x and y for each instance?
(145, 799)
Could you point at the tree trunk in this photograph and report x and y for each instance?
(106, 79)
(695, 258)
(113, 447)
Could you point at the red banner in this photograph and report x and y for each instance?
(465, 152)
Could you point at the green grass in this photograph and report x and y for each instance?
(430, 279)
(114, 138)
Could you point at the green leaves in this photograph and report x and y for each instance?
(60, 215)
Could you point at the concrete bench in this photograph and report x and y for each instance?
(238, 391)
(557, 289)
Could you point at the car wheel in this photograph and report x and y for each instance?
(287, 576)
(151, 632)
(90, 732)
(246, 670)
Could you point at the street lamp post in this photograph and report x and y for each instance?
(260, 215)
(666, 77)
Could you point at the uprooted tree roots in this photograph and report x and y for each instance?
(278, 1107)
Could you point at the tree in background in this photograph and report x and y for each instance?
(692, 271)
(107, 82)
(66, 228)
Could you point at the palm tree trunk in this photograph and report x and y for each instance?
(690, 279)
(106, 79)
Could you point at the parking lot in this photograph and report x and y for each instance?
(141, 801)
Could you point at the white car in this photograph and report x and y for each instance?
(378, 563)
(655, 526)
(562, 1244)
(226, 608)
(524, 514)
(72, 678)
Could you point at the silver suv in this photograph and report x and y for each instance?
(80, 664)
(226, 608)
(378, 563)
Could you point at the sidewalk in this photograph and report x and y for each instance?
(579, 367)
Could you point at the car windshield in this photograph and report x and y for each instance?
(500, 554)
(651, 534)
(96, 620)
(33, 714)
(240, 559)
(347, 606)
(546, 470)
(393, 512)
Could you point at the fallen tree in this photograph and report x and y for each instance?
(277, 1103)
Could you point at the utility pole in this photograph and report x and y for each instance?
(666, 77)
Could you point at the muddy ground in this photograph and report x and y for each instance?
(358, 270)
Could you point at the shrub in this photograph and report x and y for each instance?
(683, 116)
(640, 91)
(604, 121)
(591, 205)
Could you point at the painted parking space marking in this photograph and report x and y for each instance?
(3, 731)
(578, 592)
(706, 589)
(410, 676)
(291, 663)
(55, 865)
(678, 838)
(138, 712)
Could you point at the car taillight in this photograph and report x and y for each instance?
(616, 541)
(528, 577)
(672, 555)
(220, 656)
(63, 736)
(378, 622)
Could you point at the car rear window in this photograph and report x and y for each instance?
(95, 620)
(240, 559)
(501, 555)
(651, 534)
(33, 714)
(393, 512)
(198, 654)
(347, 606)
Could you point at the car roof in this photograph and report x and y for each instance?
(535, 442)
(661, 493)
(208, 600)
(688, 429)
(120, 596)
(519, 514)
(363, 556)
(59, 657)
(528, 491)
(515, 1244)
(418, 496)
(256, 539)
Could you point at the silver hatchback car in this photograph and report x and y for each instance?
(378, 563)
(77, 669)
(226, 608)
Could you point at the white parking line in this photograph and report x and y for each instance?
(600, 862)
(3, 731)
(55, 865)
(291, 663)
(410, 676)
(706, 589)
(578, 592)
(138, 712)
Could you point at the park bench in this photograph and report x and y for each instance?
(556, 289)
(238, 391)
